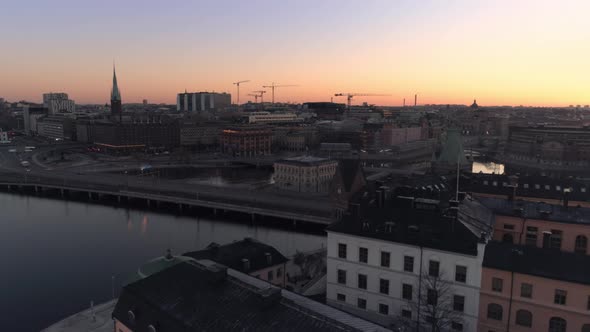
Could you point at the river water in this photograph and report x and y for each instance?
(57, 256)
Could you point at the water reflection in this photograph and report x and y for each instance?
(58, 256)
(487, 168)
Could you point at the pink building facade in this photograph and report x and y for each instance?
(536, 272)
(533, 306)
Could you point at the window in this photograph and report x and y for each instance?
(557, 324)
(526, 186)
(460, 273)
(279, 272)
(458, 303)
(406, 314)
(383, 309)
(341, 297)
(508, 226)
(497, 284)
(531, 236)
(433, 268)
(408, 263)
(560, 297)
(555, 239)
(384, 286)
(524, 318)
(547, 187)
(588, 303)
(432, 297)
(456, 326)
(341, 250)
(407, 292)
(342, 277)
(269, 275)
(494, 311)
(526, 290)
(537, 186)
(362, 281)
(361, 303)
(485, 182)
(507, 238)
(581, 244)
(363, 255)
(385, 259)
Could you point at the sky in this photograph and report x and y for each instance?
(501, 52)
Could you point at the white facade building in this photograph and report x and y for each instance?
(269, 118)
(367, 275)
(58, 103)
(305, 174)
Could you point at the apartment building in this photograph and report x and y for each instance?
(536, 275)
(385, 261)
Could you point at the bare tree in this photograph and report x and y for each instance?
(433, 302)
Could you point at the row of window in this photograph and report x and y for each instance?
(525, 318)
(526, 291)
(536, 186)
(407, 290)
(408, 265)
(384, 310)
(551, 239)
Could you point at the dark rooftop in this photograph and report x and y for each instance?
(537, 210)
(194, 297)
(546, 263)
(422, 222)
(232, 254)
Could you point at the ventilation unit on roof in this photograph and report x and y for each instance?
(151, 328)
(365, 225)
(131, 316)
(245, 264)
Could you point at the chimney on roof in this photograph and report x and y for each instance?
(270, 296)
(566, 197)
(268, 258)
(217, 272)
(245, 264)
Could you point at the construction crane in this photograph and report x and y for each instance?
(261, 95)
(349, 96)
(238, 85)
(273, 86)
(255, 97)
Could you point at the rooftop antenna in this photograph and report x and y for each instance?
(458, 168)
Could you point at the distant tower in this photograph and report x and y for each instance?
(115, 97)
(474, 105)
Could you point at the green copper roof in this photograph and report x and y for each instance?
(453, 148)
(115, 94)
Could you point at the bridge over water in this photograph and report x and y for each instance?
(292, 207)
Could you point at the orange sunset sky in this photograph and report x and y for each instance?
(500, 52)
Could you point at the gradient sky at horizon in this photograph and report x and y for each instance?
(448, 51)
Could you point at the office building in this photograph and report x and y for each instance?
(58, 103)
(246, 141)
(202, 101)
(305, 174)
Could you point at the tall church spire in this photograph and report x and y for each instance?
(115, 94)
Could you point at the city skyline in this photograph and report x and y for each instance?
(525, 53)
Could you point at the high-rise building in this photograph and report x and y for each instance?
(202, 101)
(58, 103)
(115, 96)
